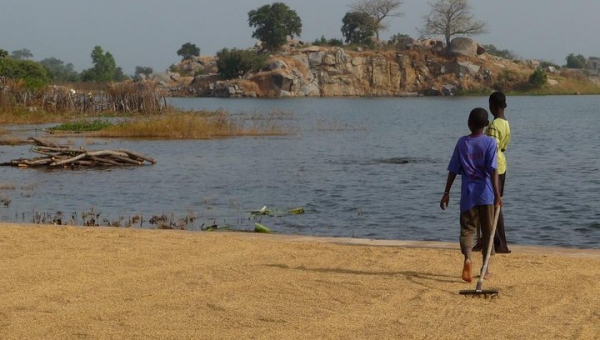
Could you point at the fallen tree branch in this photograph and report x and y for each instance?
(67, 157)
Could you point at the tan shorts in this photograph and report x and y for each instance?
(480, 215)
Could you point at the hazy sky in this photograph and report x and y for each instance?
(149, 32)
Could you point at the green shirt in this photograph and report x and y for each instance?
(499, 129)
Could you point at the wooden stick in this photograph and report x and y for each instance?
(137, 155)
(70, 160)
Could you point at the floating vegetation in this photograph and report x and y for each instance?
(264, 211)
(83, 126)
(260, 228)
(164, 221)
(215, 227)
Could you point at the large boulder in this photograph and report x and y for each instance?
(463, 46)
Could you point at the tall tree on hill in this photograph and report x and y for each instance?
(576, 61)
(188, 51)
(145, 70)
(358, 28)
(274, 23)
(449, 18)
(378, 10)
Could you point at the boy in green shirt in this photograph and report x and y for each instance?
(499, 129)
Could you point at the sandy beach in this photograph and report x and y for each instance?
(108, 283)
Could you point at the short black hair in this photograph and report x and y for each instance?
(498, 99)
(478, 119)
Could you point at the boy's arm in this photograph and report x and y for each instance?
(446, 197)
(496, 184)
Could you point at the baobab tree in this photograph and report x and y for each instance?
(378, 10)
(449, 18)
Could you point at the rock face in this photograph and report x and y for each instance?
(334, 72)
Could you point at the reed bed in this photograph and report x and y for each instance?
(21, 115)
(196, 125)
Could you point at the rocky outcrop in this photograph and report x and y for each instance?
(463, 46)
(425, 69)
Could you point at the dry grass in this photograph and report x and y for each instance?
(21, 115)
(196, 125)
(249, 86)
(570, 82)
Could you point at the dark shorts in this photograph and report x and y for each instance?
(481, 215)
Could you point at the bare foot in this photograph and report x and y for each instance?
(466, 272)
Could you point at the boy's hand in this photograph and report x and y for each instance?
(445, 200)
(498, 202)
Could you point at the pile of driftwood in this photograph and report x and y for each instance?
(56, 156)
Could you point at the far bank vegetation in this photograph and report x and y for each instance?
(127, 110)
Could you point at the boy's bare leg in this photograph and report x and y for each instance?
(467, 270)
(468, 229)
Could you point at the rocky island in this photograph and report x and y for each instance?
(420, 68)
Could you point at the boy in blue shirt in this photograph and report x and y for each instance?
(475, 160)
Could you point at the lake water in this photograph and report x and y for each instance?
(368, 168)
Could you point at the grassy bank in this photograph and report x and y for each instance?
(197, 125)
(170, 124)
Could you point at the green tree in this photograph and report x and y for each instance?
(274, 23)
(331, 42)
(400, 41)
(59, 71)
(3, 53)
(236, 63)
(22, 54)
(320, 42)
(576, 61)
(538, 78)
(104, 69)
(449, 18)
(358, 28)
(119, 74)
(143, 70)
(378, 10)
(188, 51)
(32, 73)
